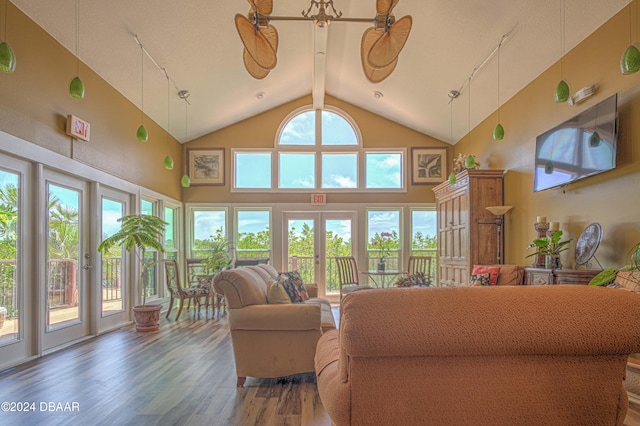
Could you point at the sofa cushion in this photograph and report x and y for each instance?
(276, 294)
(493, 271)
(480, 279)
(296, 279)
(291, 288)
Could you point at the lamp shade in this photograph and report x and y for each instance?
(7, 58)
(142, 134)
(76, 88)
(499, 210)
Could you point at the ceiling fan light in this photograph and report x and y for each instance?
(498, 132)
(562, 92)
(76, 88)
(7, 58)
(630, 60)
(142, 134)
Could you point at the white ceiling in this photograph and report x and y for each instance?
(197, 43)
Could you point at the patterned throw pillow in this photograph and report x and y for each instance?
(296, 279)
(493, 272)
(276, 294)
(291, 288)
(480, 280)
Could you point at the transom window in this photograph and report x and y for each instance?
(319, 150)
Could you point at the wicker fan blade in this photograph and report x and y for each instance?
(387, 48)
(264, 7)
(374, 75)
(256, 43)
(385, 6)
(255, 70)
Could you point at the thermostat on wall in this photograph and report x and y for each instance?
(78, 128)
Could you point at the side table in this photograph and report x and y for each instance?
(541, 276)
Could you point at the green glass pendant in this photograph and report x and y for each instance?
(548, 168)
(452, 178)
(142, 134)
(76, 88)
(185, 181)
(168, 162)
(498, 132)
(630, 61)
(562, 92)
(470, 162)
(7, 58)
(594, 140)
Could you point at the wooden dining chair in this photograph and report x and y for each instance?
(420, 265)
(348, 275)
(176, 291)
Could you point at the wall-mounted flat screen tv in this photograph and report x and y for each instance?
(580, 147)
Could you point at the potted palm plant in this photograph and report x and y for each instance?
(550, 247)
(218, 258)
(137, 233)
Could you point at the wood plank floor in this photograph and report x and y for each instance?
(181, 375)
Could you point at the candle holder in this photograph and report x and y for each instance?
(541, 228)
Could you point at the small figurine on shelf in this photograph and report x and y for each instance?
(465, 161)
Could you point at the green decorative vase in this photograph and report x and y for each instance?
(76, 88)
(498, 132)
(185, 181)
(562, 92)
(452, 178)
(630, 61)
(7, 58)
(142, 134)
(594, 140)
(168, 162)
(470, 162)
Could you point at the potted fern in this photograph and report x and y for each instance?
(137, 233)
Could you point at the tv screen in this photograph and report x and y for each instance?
(582, 146)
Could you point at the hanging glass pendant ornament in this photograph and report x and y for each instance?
(470, 162)
(142, 134)
(168, 162)
(548, 168)
(7, 57)
(498, 132)
(184, 95)
(452, 178)
(76, 87)
(562, 89)
(630, 60)
(185, 181)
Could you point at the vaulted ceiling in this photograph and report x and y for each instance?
(197, 44)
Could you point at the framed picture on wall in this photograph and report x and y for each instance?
(206, 166)
(428, 165)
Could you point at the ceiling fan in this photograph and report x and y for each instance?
(379, 49)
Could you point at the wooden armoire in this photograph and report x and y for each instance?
(467, 231)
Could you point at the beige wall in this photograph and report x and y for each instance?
(260, 132)
(34, 104)
(612, 199)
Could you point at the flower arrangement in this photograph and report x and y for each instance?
(419, 279)
(465, 161)
(383, 243)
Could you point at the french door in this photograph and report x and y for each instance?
(68, 261)
(312, 240)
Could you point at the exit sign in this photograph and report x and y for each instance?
(318, 199)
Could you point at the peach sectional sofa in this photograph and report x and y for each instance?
(504, 355)
(270, 340)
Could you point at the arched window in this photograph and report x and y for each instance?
(319, 150)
